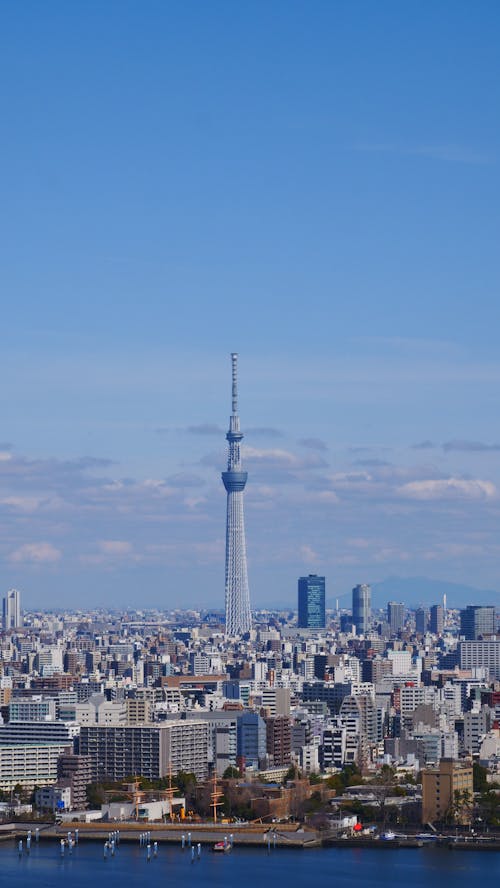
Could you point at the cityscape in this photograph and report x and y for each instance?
(389, 714)
(250, 445)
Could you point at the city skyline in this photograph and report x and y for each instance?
(329, 211)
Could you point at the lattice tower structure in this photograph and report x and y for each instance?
(237, 594)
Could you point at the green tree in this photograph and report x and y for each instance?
(95, 795)
(479, 777)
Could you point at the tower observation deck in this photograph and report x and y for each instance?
(238, 616)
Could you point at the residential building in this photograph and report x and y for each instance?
(121, 751)
(75, 771)
(279, 739)
(30, 765)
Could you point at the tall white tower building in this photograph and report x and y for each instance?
(238, 616)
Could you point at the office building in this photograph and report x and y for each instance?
(311, 601)
(421, 620)
(477, 621)
(55, 798)
(251, 739)
(32, 709)
(222, 737)
(439, 788)
(11, 617)
(395, 616)
(436, 624)
(237, 594)
(361, 608)
(480, 655)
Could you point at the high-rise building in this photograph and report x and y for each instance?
(311, 602)
(477, 621)
(238, 616)
(12, 610)
(395, 616)
(361, 607)
(421, 620)
(76, 770)
(437, 619)
(480, 655)
(118, 751)
(279, 739)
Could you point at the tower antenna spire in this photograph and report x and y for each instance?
(234, 360)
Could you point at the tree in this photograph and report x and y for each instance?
(291, 774)
(95, 795)
(186, 787)
(479, 777)
(383, 787)
(460, 810)
(489, 807)
(231, 773)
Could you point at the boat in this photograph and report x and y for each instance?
(388, 836)
(221, 847)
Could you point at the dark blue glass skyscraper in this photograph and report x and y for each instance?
(312, 602)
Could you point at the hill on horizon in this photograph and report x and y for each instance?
(415, 591)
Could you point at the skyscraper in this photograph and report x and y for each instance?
(421, 620)
(395, 616)
(311, 591)
(477, 621)
(238, 616)
(12, 610)
(437, 619)
(361, 607)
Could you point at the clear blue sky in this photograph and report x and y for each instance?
(314, 185)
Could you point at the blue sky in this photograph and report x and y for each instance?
(314, 185)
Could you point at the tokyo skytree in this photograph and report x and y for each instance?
(238, 616)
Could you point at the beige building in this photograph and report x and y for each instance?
(447, 792)
(30, 765)
(138, 711)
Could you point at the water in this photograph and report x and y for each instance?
(244, 868)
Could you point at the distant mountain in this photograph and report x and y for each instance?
(414, 591)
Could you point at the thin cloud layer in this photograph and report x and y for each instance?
(470, 446)
(35, 553)
(301, 513)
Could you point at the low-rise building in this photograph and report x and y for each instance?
(447, 792)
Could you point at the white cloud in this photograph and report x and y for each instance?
(36, 553)
(114, 547)
(446, 488)
(282, 458)
(309, 555)
(21, 503)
